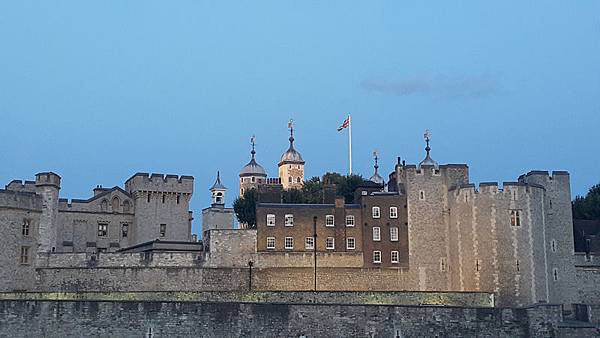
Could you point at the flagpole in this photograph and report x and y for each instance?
(350, 141)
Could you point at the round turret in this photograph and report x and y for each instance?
(291, 155)
(252, 169)
(291, 165)
(252, 174)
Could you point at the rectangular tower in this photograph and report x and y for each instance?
(161, 206)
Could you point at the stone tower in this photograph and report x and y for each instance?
(252, 174)
(47, 185)
(217, 216)
(291, 165)
(161, 207)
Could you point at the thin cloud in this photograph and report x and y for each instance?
(463, 87)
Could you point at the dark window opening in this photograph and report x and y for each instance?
(124, 230)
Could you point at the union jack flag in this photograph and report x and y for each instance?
(345, 124)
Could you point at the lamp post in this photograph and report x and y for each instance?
(250, 264)
(315, 249)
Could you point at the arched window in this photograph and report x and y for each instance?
(126, 206)
(290, 179)
(298, 180)
(219, 197)
(116, 203)
(104, 205)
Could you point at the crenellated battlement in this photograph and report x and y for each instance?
(496, 188)
(47, 179)
(20, 200)
(160, 183)
(18, 185)
(557, 174)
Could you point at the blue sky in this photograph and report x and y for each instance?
(97, 91)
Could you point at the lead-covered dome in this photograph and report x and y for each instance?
(291, 155)
(253, 168)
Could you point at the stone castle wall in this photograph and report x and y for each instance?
(428, 233)
(558, 243)
(15, 207)
(186, 319)
(487, 252)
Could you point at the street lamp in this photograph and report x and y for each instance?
(315, 249)
(250, 264)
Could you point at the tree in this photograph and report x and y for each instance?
(312, 191)
(245, 208)
(294, 196)
(588, 207)
(346, 185)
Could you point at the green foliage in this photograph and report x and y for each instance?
(245, 208)
(294, 196)
(312, 191)
(588, 207)
(346, 185)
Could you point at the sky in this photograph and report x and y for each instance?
(97, 91)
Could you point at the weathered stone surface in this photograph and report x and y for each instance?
(187, 319)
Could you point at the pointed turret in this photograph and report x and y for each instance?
(376, 178)
(428, 161)
(218, 192)
(291, 165)
(252, 174)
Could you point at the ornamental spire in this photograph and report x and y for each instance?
(376, 157)
(376, 177)
(427, 137)
(253, 142)
(291, 128)
(428, 160)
